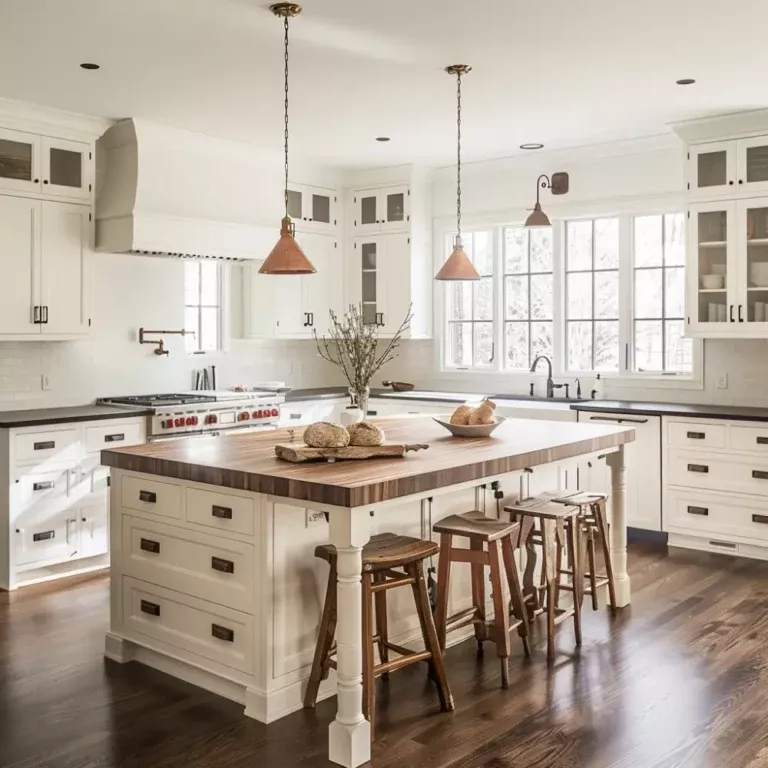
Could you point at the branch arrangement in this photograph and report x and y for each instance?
(353, 345)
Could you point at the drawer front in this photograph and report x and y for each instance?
(220, 510)
(720, 473)
(48, 539)
(702, 514)
(62, 444)
(215, 569)
(690, 434)
(151, 496)
(754, 439)
(113, 436)
(206, 630)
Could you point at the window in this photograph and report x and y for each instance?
(605, 294)
(659, 295)
(592, 295)
(528, 296)
(202, 311)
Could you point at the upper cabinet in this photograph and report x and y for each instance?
(45, 166)
(386, 209)
(313, 209)
(722, 169)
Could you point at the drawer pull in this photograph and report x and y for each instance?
(44, 486)
(696, 435)
(724, 544)
(763, 519)
(220, 564)
(44, 536)
(45, 446)
(149, 497)
(116, 438)
(616, 420)
(760, 474)
(702, 468)
(153, 609)
(703, 511)
(223, 513)
(150, 546)
(223, 633)
(294, 416)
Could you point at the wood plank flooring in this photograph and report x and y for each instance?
(678, 680)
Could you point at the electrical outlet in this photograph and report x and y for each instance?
(45, 382)
(313, 517)
(722, 381)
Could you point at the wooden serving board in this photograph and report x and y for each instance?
(298, 452)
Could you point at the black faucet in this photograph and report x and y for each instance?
(578, 389)
(550, 383)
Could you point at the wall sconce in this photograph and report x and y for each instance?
(558, 185)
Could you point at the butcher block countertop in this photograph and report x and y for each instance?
(248, 461)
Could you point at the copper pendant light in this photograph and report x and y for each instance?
(558, 186)
(286, 257)
(458, 266)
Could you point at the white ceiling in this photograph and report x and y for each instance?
(560, 72)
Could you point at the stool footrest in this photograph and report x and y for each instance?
(468, 616)
(400, 581)
(412, 657)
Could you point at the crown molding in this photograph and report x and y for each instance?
(35, 118)
(719, 127)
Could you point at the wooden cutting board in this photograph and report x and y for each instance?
(298, 452)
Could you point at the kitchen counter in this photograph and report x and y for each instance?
(322, 393)
(686, 410)
(41, 416)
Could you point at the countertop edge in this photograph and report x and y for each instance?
(64, 419)
(747, 413)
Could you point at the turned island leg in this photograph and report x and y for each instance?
(618, 522)
(349, 735)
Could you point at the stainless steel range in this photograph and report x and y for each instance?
(200, 413)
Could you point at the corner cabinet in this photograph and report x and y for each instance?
(722, 169)
(44, 255)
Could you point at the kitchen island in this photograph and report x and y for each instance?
(213, 578)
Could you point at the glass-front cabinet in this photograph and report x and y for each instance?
(381, 210)
(723, 169)
(313, 209)
(20, 161)
(752, 223)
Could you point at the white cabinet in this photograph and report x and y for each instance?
(313, 209)
(44, 249)
(386, 209)
(643, 462)
(734, 168)
(46, 166)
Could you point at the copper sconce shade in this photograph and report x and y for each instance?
(558, 185)
(458, 266)
(287, 258)
(538, 218)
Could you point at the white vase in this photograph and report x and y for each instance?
(351, 415)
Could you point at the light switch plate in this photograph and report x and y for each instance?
(722, 381)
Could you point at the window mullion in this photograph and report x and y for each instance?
(626, 295)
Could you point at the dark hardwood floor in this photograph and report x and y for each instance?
(679, 680)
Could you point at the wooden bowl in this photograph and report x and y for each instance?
(398, 386)
(471, 430)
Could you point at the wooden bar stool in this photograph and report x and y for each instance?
(594, 518)
(496, 535)
(381, 556)
(559, 529)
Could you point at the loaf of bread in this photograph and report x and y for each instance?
(484, 413)
(461, 414)
(323, 434)
(365, 434)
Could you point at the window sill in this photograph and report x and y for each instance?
(653, 381)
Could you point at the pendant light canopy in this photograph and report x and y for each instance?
(558, 185)
(286, 257)
(458, 266)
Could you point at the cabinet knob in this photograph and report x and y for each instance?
(37, 181)
(741, 181)
(731, 183)
(45, 181)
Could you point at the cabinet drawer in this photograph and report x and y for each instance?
(705, 514)
(113, 436)
(689, 434)
(753, 439)
(200, 628)
(147, 495)
(58, 444)
(212, 568)
(720, 473)
(220, 510)
(48, 539)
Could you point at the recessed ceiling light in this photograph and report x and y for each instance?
(382, 138)
(532, 145)
(89, 65)
(685, 81)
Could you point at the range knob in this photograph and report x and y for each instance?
(179, 422)
(258, 414)
(190, 421)
(211, 418)
(244, 416)
(275, 412)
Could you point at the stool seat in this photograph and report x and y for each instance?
(386, 550)
(580, 499)
(544, 508)
(477, 526)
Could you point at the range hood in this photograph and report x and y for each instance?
(162, 191)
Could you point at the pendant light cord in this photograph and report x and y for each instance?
(458, 158)
(286, 116)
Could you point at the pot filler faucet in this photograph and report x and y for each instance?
(551, 386)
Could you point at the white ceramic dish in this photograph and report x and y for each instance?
(471, 430)
(758, 274)
(713, 281)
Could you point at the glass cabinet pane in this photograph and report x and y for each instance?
(712, 169)
(757, 164)
(757, 265)
(369, 275)
(396, 206)
(321, 208)
(368, 211)
(712, 233)
(15, 160)
(294, 204)
(66, 168)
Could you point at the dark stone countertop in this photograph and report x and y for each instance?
(40, 416)
(687, 410)
(323, 393)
